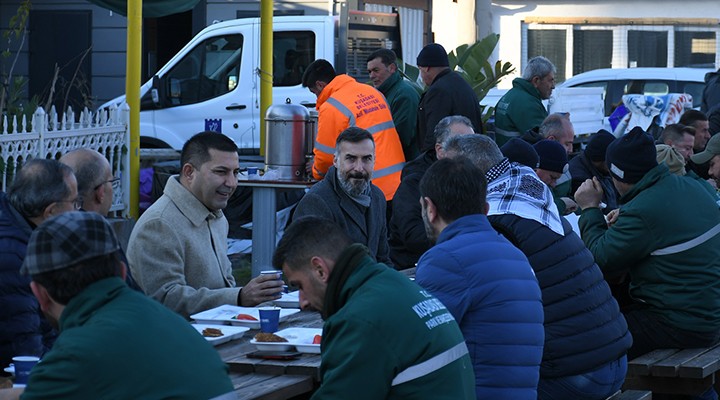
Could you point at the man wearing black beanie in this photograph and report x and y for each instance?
(667, 237)
(591, 163)
(447, 94)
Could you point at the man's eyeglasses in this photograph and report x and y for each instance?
(77, 202)
(115, 182)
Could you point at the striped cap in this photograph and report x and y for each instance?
(68, 239)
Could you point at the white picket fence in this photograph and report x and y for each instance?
(52, 135)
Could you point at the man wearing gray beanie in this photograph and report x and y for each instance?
(667, 237)
(447, 94)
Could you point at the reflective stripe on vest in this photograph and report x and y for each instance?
(380, 127)
(431, 365)
(505, 133)
(323, 148)
(678, 248)
(379, 173)
(343, 110)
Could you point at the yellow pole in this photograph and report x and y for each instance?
(266, 66)
(132, 92)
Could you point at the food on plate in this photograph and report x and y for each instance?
(269, 337)
(317, 339)
(212, 332)
(245, 317)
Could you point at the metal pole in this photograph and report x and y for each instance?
(266, 66)
(132, 91)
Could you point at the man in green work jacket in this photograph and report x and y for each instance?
(400, 95)
(667, 238)
(374, 346)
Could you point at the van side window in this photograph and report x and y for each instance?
(292, 53)
(210, 70)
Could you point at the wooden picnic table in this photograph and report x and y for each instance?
(675, 371)
(272, 379)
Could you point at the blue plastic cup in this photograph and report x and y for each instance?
(269, 319)
(23, 366)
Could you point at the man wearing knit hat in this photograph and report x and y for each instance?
(671, 252)
(77, 276)
(591, 163)
(447, 94)
(552, 166)
(520, 151)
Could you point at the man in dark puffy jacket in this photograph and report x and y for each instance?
(41, 189)
(485, 282)
(586, 336)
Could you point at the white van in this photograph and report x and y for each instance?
(648, 81)
(213, 82)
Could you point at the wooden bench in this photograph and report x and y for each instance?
(674, 371)
(631, 395)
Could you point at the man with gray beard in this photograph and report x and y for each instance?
(347, 196)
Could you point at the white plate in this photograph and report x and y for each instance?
(229, 332)
(300, 338)
(226, 315)
(289, 300)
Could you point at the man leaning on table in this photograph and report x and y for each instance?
(114, 342)
(406, 346)
(178, 248)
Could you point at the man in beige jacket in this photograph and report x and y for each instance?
(178, 248)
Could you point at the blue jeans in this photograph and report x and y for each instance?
(596, 384)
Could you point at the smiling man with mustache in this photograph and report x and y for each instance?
(347, 196)
(178, 248)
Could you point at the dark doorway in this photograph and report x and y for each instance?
(61, 38)
(163, 38)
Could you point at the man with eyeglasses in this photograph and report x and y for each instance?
(96, 186)
(95, 179)
(41, 189)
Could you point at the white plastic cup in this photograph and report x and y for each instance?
(23, 366)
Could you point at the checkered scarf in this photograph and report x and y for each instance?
(515, 189)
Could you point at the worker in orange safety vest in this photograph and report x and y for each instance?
(343, 102)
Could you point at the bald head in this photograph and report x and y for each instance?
(94, 178)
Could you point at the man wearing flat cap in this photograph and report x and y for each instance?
(106, 327)
(667, 237)
(447, 94)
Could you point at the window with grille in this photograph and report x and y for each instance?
(592, 49)
(549, 43)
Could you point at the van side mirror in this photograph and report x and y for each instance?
(157, 92)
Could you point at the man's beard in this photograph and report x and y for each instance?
(357, 185)
(429, 229)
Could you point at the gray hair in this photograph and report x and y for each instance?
(38, 184)
(538, 66)
(552, 125)
(442, 129)
(480, 149)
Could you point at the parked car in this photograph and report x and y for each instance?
(648, 81)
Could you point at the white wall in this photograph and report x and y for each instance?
(507, 18)
(453, 23)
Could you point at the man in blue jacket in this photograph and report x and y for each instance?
(586, 336)
(485, 282)
(41, 189)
